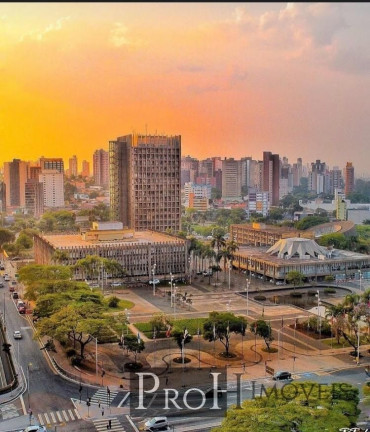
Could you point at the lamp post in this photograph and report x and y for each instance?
(360, 273)
(319, 313)
(127, 313)
(229, 273)
(171, 283)
(174, 302)
(153, 273)
(190, 268)
(358, 344)
(250, 269)
(28, 388)
(96, 356)
(248, 283)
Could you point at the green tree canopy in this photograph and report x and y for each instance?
(303, 406)
(262, 329)
(221, 325)
(6, 236)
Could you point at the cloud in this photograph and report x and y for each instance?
(119, 36)
(40, 35)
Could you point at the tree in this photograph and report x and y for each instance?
(295, 277)
(304, 407)
(134, 345)
(24, 241)
(37, 272)
(76, 323)
(262, 329)
(6, 236)
(221, 325)
(160, 322)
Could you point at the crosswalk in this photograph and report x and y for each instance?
(62, 416)
(102, 397)
(101, 425)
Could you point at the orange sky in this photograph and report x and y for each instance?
(233, 79)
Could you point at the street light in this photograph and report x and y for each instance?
(248, 283)
(171, 283)
(360, 279)
(127, 313)
(153, 273)
(96, 356)
(319, 313)
(229, 273)
(174, 302)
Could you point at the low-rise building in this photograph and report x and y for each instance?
(136, 251)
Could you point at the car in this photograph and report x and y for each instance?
(34, 428)
(17, 334)
(1, 285)
(156, 423)
(11, 288)
(210, 391)
(6, 278)
(15, 295)
(116, 284)
(22, 309)
(282, 375)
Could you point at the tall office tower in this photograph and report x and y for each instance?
(15, 177)
(34, 172)
(145, 191)
(52, 164)
(189, 170)
(349, 178)
(271, 176)
(34, 195)
(231, 179)
(53, 182)
(316, 177)
(297, 171)
(2, 197)
(101, 167)
(85, 169)
(336, 180)
(245, 172)
(73, 166)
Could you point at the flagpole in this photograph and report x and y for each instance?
(198, 348)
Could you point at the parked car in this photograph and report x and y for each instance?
(1, 285)
(282, 375)
(6, 278)
(11, 288)
(209, 392)
(156, 423)
(17, 334)
(34, 428)
(15, 295)
(22, 309)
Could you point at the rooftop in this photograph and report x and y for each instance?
(139, 237)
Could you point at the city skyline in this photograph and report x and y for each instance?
(232, 79)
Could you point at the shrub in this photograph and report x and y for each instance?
(330, 290)
(76, 360)
(113, 302)
(70, 352)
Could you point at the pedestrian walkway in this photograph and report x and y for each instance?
(103, 425)
(56, 417)
(103, 397)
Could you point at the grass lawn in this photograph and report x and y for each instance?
(191, 324)
(122, 305)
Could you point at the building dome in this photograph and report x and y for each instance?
(297, 247)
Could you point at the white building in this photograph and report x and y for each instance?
(258, 202)
(53, 182)
(196, 191)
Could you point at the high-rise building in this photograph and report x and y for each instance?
(34, 196)
(271, 176)
(145, 181)
(73, 166)
(336, 180)
(231, 179)
(349, 178)
(52, 164)
(15, 177)
(53, 182)
(2, 197)
(85, 169)
(101, 167)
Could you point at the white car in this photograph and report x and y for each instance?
(34, 428)
(17, 335)
(156, 423)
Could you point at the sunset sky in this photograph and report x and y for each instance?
(233, 79)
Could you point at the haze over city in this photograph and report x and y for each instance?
(233, 79)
